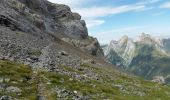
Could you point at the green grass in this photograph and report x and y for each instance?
(20, 76)
(112, 85)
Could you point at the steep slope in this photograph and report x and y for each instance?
(35, 31)
(145, 56)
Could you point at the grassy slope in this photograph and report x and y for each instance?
(114, 85)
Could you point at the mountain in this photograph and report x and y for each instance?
(145, 56)
(47, 54)
(31, 29)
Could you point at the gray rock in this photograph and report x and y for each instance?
(159, 79)
(41, 98)
(91, 46)
(6, 98)
(12, 89)
(63, 53)
(2, 86)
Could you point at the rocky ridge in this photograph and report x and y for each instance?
(140, 55)
(31, 31)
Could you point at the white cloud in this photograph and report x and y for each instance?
(148, 1)
(96, 12)
(94, 22)
(67, 2)
(153, 1)
(165, 5)
(92, 14)
(71, 3)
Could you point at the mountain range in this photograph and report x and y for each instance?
(145, 56)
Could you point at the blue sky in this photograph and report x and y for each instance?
(111, 19)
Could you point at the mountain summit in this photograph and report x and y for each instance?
(145, 56)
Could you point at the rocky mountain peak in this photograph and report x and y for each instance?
(139, 56)
(43, 16)
(128, 48)
(35, 31)
(123, 40)
(143, 37)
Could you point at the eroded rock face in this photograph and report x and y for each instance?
(123, 50)
(90, 45)
(37, 16)
(32, 32)
(44, 20)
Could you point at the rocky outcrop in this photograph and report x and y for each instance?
(33, 32)
(159, 79)
(37, 16)
(124, 49)
(89, 44)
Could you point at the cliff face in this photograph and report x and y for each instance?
(145, 56)
(36, 16)
(32, 31)
(124, 49)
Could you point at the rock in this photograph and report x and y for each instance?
(2, 86)
(91, 61)
(7, 80)
(91, 45)
(63, 53)
(75, 92)
(41, 98)
(6, 98)
(159, 79)
(76, 16)
(34, 59)
(70, 79)
(1, 80)
(75, 29)
(13, 89)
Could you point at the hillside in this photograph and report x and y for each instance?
(47, 54)
(18, 81)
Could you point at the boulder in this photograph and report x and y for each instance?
(5, 97)
(63, 53)
(159, 79)
(13, 89)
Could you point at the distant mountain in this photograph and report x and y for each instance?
(47, 54)
(145, 56)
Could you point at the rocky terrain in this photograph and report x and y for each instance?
(46, 54)
(145, 56)
(37, 26)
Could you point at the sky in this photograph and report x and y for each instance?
(111, 19)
